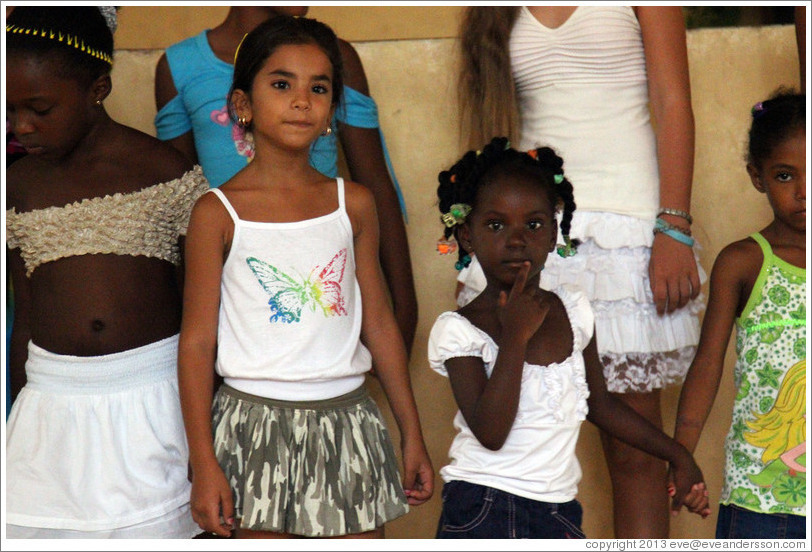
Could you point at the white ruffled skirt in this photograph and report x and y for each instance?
(640, 349)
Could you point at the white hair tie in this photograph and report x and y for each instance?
(110, 16)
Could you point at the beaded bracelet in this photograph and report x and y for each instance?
(677, 213)
(663, 225)
(673, 232)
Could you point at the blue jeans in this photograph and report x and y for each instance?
(473, 511)
(737, 523)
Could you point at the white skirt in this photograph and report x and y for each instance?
(640, 349)
(97, 444)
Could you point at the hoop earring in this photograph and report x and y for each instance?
(327, 132)
(242, 121)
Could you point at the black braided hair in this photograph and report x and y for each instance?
(83, 22)
(774, 120)
(461, 183)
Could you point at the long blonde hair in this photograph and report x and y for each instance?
(783, 427)
(487, 95)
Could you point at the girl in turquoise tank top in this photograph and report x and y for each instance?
(758, 284)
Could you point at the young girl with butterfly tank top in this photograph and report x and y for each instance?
(284, 297)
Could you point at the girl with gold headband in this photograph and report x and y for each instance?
(95, 444)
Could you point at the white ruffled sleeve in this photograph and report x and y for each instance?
(582, 318)
(453, 336)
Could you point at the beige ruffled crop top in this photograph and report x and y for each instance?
(147, 222)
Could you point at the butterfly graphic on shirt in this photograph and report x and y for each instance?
(290, 294)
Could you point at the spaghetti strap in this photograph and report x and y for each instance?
(764, 244)
(226, 204)
(340, 185)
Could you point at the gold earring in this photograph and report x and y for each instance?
(98, 102)
(327, 132)
(242, 121)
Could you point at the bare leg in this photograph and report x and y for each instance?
(638, 479)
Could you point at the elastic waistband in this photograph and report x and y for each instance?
(352, 398)
(308, 390)
(67, 374)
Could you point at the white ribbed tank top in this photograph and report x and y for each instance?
(582, 90)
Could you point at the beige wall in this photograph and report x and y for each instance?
(168, 24)
(730, 70)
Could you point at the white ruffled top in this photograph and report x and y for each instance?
(538, 458)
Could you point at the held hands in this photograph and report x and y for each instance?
(673, 274)
(418, 477)
(212, 503)
(686, 487)
(522, 312)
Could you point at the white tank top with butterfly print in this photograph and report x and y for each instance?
(290, 308)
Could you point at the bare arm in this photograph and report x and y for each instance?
(363, 151)
(673, 273)
(380, 334)
(21, 328)
(619, 420)
(489, 405)
(164, 92)
(702, 381)
(211, 494)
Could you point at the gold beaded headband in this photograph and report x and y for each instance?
(68, 39)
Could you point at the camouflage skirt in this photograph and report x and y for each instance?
(314, 468)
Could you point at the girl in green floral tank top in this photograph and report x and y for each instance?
(759, 284)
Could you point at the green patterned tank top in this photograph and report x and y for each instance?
(765, 449)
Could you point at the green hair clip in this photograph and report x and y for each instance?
(568, 249)
(456, 214)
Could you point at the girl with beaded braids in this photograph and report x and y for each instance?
(96, 212)
(586, 80)
(523, 361)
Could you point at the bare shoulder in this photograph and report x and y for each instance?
(209, 207)
(360, 205)
(359, 198)
(18, 177)
(739, 260)
(145, 154)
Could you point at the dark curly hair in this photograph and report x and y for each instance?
(462, 182)
(774, 120)
(85, 24)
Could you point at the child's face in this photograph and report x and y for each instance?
(291, 97)
(513, 222)
(47, 113)
(782, 176)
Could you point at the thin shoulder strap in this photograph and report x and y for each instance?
(764, 244)
(219, 193)
(340, 185)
